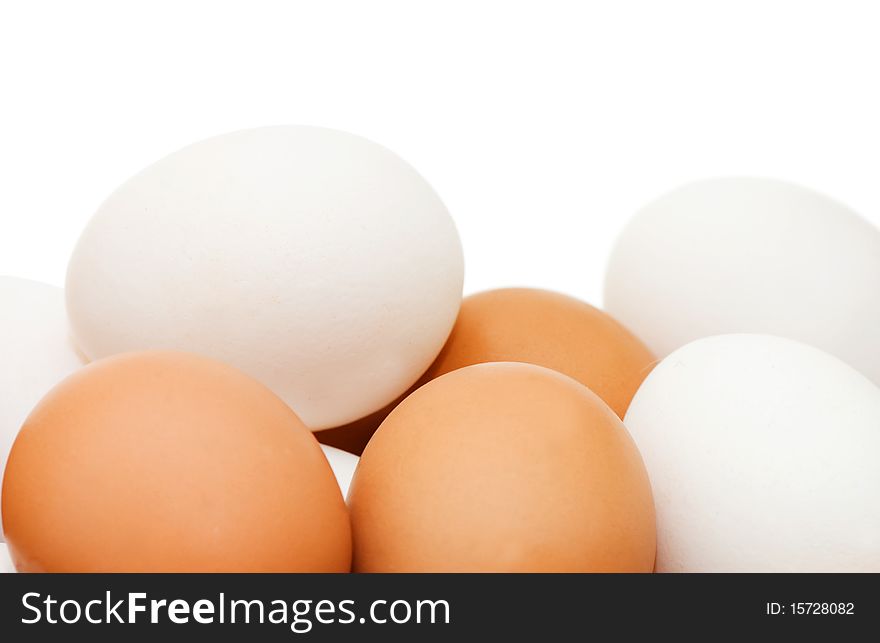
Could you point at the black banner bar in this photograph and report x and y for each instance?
(428, 607)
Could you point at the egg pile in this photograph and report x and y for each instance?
(244, 300)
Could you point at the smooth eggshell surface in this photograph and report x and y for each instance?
(314, 260)
(502, 467)
(763, 454)
(35, 352)
(161, 462)
(552, 330)
(747, 255)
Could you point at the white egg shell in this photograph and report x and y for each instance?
(6, 566)
(314, 260)
(748, 255)
(343, 464)
(35, 352)
(763, 456)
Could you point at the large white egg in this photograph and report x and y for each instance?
(343, 464)
(748, 255)
(314, 260)
(35, 352)
(764, 456)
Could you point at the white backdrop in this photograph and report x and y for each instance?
(543, 125)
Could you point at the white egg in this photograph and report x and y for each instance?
(763, 456)
(314, 260)
(6, 566)
(746, 255)
(35, 352)
(343, 464)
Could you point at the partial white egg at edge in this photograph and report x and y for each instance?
(749, 255)
(762, 454)
(6, 566)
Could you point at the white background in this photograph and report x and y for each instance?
(543, 125)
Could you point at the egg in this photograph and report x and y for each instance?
(169, 462)
(502, 467)
(537, 327)
(35, 352)
(343, 465)
(6, 566)
(749, 255)
(548, 329)
(763, 454)
(316, 261)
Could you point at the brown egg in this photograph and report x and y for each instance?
(533, 326)
(502, 467)
(552, 330)
(166, 462)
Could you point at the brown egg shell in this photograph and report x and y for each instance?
(168, 462)
(502, 467)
